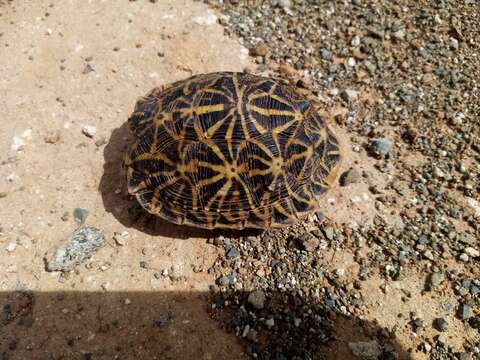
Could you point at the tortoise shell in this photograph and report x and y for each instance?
(230, 150)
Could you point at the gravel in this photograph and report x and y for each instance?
(79, 248)
(407, 75)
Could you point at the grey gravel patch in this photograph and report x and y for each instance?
(79, 248)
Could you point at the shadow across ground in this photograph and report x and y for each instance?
(175, 325)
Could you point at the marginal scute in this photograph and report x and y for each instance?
(230, 150)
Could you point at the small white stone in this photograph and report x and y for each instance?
(352, 62)
(121, 238)
(438, 173)
(11, 247)
(475, 205)
(429, 255)
(128, 301)
(11, 177)
(89, 130)
(18, 143)
(472, 252)
(463, 257)
(285, 4)
(355, 40)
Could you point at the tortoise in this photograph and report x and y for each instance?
(230, 150)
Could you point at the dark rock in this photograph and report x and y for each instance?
(350, 176)
(440, 324)
(308, 242)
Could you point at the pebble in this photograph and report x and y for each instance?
(355, 40)
(308, 242)
(440, 324)
(270, 322)
(11, 247)
(87, 69)
(285, 4)
(287, 70)
(89, 131)
(472, 252)
(418, 324)
(463, 257)
(257, 299)
(368, 350)
(350, 176)
(121, 238)
(453, 44)
(329, 232)
(101, 141)
(224, 281)
(465, 312)
(52, 137)
(18, 143)
(325, 54)
(260, 49)
(219, 241)
(80, 215)
(349, 95)
(380, 146)
(436, 279)
(232, 253)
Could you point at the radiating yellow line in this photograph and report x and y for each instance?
(156, 156)
(270, 112)
(211, 180)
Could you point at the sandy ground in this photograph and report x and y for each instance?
(70, 64)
